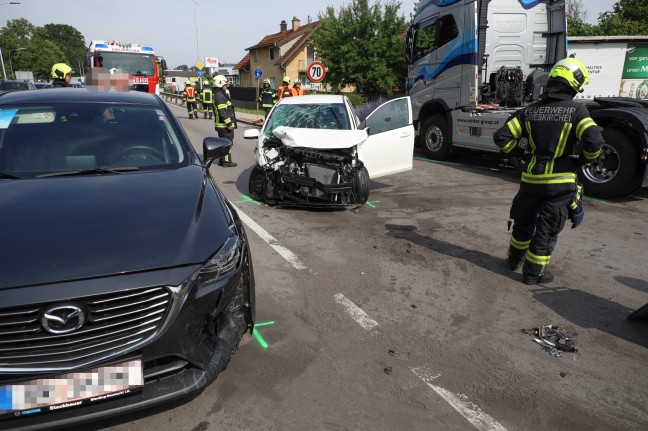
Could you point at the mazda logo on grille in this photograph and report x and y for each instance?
(62, 319)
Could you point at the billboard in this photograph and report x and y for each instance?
(211, 62)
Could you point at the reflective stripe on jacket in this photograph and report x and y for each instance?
(207, 97)
(268, 98)
(223, 111)
(552, 127)
(284, 91)
(190, 94)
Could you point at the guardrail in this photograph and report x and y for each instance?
(177, 99)
(171, 97)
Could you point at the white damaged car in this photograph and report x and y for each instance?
(314, 151)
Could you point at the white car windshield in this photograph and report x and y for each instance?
(332, 116)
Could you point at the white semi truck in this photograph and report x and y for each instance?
(474, 62)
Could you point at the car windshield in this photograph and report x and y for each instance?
(13, 86)
(39, 140)
(309, 116)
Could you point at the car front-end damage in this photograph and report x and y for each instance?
(314, 168)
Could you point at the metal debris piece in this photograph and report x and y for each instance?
(553, 339)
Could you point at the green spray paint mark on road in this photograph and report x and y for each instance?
(264, 344)
(371, 203)
(589, 198)
(246, 198)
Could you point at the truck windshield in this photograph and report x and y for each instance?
(133, 63)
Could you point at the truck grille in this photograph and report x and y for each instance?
(114, 323)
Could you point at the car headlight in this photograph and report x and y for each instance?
(224, 261)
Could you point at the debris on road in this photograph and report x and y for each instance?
(553, 339)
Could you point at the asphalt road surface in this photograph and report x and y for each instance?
(402, 315)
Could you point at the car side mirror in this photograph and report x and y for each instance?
(251, 134)
(214, 148)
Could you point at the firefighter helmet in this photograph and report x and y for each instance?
(266, 81)
(286, 79)
(570, 71)
(59, 70)
(219, 81)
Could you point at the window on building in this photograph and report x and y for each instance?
(271, 53)
(256, 56)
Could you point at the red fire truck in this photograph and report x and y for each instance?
(144, 68)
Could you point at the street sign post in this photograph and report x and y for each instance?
(316, 72)
(258, 73)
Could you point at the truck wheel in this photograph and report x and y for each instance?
(258, 184)
(434, 138)
(361, 186)
(615, 172)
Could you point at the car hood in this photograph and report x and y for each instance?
(67, 228)
(322, 139)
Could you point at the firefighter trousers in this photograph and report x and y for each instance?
(192, 109)
(229, 135)
(538, 219)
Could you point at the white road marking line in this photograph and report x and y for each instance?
(460, 403)
(356, 313)
(272, 242)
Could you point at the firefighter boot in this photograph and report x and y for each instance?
(536, 274)
(190, 116)
(515, 258)
(205, 115)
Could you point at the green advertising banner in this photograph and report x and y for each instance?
(636, 61)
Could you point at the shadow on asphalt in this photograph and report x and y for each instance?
(483, 260)
(593, 312)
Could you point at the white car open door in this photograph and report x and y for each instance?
(389, 149)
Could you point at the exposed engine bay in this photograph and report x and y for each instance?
(327, 173)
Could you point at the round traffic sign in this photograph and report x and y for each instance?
(316, 72)
(258, 73)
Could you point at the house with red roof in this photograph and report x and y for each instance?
(286, 53)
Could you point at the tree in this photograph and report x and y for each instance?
(40, 55)
(362, 47)
(627, 18)
(69, 40)
(16, 34)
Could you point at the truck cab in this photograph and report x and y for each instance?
(474, 62)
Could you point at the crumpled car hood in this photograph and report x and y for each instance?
(321, 139)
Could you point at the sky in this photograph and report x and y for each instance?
(217, 29)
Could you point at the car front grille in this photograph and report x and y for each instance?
(322, 174)
(114, 323)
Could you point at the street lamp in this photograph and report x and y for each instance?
(4, 73)
(10, 63)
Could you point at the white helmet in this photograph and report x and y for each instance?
(219, 81)
(266, 81)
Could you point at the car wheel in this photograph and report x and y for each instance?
(361, 186)
(615, 171)
(258, 183)
(434, 138)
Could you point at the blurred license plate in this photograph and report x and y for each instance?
(71, 390)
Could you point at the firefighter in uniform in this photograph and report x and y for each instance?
(268, 97)
(296, 90)
(189, 96)
(62, 74)
(548, 186)
(224, 118)
(207, 99)
(284, 89)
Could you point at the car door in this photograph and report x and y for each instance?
(389, 147)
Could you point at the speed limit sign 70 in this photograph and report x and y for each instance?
(316, 72)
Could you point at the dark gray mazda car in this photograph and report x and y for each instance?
(125, 275)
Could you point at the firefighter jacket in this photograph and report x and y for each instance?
(268, 97)
(189, 94)
(224, 111)
(207, 96)
(297, 91)
(552, 127)
(283, 91)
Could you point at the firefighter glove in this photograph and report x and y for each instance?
(576, 210)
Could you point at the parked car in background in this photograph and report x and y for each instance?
(41, 85)
(314, 151)
(76, 84)
(15, 85)
(144, 282)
